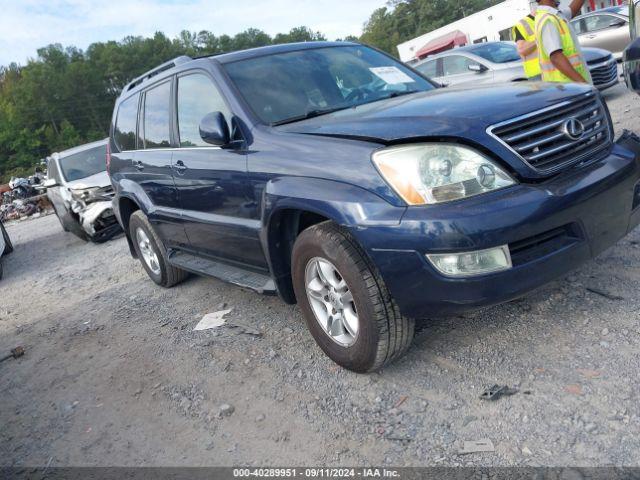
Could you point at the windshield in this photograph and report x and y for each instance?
(497, 52)
(285, 87)
(84, 164)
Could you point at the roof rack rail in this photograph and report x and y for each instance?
(159, 69)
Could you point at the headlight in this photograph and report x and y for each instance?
(428, 173)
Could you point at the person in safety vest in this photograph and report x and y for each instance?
(561, 59)
(524, 34)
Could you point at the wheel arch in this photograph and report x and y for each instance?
(291, 205)
(126, 208)
(283, 228)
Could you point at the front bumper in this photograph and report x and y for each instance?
(551, 228)
(99, 221)
(605, 74)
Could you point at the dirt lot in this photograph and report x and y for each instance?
(115, 375)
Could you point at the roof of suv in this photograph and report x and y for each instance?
(271, 49)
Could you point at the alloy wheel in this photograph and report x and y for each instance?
(331, 301)
(148, 254)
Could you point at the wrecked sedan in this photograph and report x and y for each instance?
(340, 179)
(80, 191)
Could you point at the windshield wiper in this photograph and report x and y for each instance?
(399, 94)
(309, 114)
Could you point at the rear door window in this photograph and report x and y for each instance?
(126, 120)
(429, 68)
(197, 97)
(157, 116)
(578, 25)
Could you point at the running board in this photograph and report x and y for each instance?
(238, 276)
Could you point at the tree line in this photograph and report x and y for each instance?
(64, 97)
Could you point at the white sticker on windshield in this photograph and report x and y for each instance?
(391, 75)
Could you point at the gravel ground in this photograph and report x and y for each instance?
(115, 375)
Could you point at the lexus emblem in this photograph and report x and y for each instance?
(573, 128)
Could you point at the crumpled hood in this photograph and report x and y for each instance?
(461, 112)
(100, 179)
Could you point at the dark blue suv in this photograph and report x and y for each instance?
(341, 179)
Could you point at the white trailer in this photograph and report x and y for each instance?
(492, 24)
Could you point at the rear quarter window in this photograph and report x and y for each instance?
(126, 122)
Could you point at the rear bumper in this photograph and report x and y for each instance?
(551, 228)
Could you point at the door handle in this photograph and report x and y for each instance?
(138, 165)
(179, 167)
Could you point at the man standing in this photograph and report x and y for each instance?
(524, 35)
(561, 58)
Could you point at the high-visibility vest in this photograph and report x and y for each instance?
(549, 72)
(526, 27)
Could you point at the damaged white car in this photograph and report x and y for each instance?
(6, 247)
(80, 191)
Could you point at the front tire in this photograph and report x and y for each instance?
(346, 304)
(152, 253)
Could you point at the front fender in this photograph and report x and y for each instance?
(350, 206)
(345, 204)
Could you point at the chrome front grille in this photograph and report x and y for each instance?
(544, 139)
(604, 73)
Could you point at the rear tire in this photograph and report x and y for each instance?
(152, 253)
(382, 333)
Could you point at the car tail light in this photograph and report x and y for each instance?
(108, 157)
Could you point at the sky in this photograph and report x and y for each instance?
(26, 25)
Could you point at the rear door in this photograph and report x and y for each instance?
(152, 163)
(220, 218)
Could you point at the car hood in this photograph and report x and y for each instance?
(100, 179)
(459, 112)
(595, 54)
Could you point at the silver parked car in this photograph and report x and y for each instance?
(495, 62)
(80, 191)
(607, 28)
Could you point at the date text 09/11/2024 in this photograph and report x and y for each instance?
(316, 472)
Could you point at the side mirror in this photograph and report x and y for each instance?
(476, 67)
(214, 129)
(50, 182)
(618, 23)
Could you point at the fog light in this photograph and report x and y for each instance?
(468, 264)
